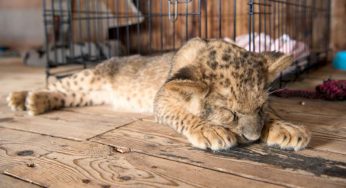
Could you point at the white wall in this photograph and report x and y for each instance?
(21, 27)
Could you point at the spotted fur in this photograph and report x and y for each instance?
(213, 92)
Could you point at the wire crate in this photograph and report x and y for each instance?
(85, 32)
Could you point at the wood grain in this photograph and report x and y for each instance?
(55, 162)
(293, 105)
(253, 161)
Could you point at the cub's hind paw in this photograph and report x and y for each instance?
(16, 100)
(286, 135)
(43, 101)
(212, 137)
(37, 103)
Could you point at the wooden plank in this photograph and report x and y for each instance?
(326, 72)
(327, 126)
(304, 84)
(55, 162)
(325, 119)
(256, 161)
(68, 124)
(23, 149)
(321, 143)
(10, 182)
(15, 143)
(130, 170)
(107, 111)
(15, 76)
(315, 77)
(313, 107)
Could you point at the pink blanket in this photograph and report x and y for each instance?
(262, 42)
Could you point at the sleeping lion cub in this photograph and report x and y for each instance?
(213, 92)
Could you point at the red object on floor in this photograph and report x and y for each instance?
(328, 90)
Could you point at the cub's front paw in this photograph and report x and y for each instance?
(286, 135)
(16, 100)
(213, 137)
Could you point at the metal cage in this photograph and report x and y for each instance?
(84, 32)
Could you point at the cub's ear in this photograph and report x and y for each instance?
(187, 54)
(276, 62)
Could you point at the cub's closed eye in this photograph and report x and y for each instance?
(234, 114)
(226, 109)
(259, 109)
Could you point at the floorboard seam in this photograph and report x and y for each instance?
(328, 151)
(21, 179)
(43, 134)
(89, 139)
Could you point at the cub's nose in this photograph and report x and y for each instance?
(250, 127)
(251, 137)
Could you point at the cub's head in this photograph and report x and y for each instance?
(238, 82)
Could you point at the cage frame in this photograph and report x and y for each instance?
(257, 12)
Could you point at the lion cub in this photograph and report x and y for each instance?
(213, 92)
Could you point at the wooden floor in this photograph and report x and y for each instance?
(97, 147)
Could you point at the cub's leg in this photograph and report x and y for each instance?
(285, 135)
(81, 89)
(177, 105)
(39, 102)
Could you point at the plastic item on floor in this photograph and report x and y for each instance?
(339, 61)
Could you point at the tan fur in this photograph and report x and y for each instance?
(213, 92)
